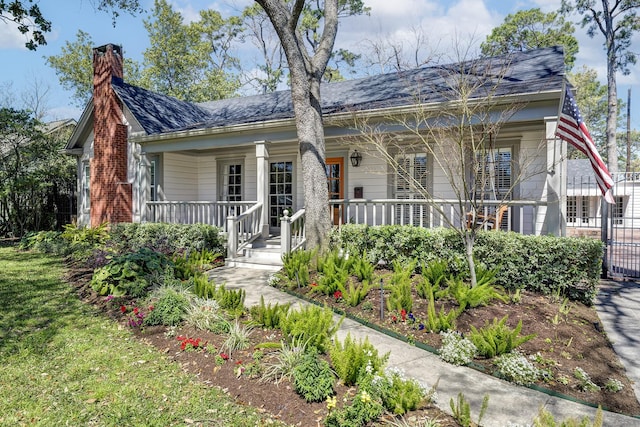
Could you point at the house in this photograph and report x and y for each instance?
(234, 163)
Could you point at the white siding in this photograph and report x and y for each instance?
(180, 177)
(207, 178)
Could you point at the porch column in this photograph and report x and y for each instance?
(556, 181)
(143, 186)
(262, 176)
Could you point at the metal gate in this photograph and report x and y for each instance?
(623, 234)
(585, 216)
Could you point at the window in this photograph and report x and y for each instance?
(231, 182)
(617, 210)
(572, 207)
(411, 182)
(153, 183)
(494, 180)
(86, 186)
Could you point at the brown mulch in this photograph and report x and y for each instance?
(563, 342)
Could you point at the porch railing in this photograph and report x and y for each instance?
(212, 213)
(243, 229)
(292, 231)
(522, 215)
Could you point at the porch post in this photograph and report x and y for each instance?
(262, 184)
(556, 181)
(143, 186)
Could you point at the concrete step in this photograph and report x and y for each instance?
(254, 263)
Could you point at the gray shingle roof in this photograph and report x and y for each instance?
(518, 73)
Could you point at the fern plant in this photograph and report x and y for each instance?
(362, 268)
(461, 410)
(351, 358)
(203, 287)
(296, 266)
(268, 316)
(311, 324)
(354, 293)
(432, 276)
(497, 338)
(400, 297)
(331, 279)
(439, 321)
(313, 378)
(470, 297)
(333, 260)
(230, 299)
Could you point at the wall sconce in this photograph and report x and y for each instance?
(356, 158)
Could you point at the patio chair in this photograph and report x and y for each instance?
(492, 221)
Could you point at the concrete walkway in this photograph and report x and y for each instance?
(508, 404)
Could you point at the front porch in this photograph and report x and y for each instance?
(249, 245)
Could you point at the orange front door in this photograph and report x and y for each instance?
(335, 182)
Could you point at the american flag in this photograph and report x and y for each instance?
(572, 129)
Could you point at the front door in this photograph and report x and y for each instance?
(335, 181)
(280, 192)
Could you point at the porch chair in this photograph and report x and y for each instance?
(492, 220)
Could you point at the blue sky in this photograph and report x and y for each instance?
(443, 21)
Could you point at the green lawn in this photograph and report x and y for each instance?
(61, 363)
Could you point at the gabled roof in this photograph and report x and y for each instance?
(517, 73)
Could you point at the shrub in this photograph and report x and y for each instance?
(537, 263)
(128, 274)
(332, 277)
(399, 394)
(312, 378)
(362, 410)
(167, 238)
(516, 368)
(457, 349)
(497, 338)
(202, 286)
(312, 325)
(268, 316)
(169, 307)
(351, 359)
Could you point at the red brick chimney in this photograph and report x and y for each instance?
(111, 196)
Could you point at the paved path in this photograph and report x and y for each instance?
(508, 404)
(618, 305)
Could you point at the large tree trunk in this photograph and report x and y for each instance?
(306, 72)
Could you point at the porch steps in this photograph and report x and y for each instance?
(263, 254)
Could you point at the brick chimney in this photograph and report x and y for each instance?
(111, 195)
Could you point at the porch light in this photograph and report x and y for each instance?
(356, 158)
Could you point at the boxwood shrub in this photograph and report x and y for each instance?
(546, 264)
(167, 238)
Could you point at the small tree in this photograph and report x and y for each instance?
(459, 134)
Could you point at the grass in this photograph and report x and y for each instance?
(61, 363)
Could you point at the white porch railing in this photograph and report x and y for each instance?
(212, 213)
(292, 231)
(522, 215)
(243, 229)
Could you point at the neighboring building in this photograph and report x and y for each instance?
(143, 156)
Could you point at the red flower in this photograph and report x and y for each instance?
(224, 356)
(150, 308)
(123, 308)
(337, 294)
(135, 310)
(314, 284)
(239, 362)
(394, 319)
(403, 314)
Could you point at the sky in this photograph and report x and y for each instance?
(446, 23)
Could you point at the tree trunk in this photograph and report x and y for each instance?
(612, 93)
(469, 240)
(305, 73)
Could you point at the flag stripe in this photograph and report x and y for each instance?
(572, 129)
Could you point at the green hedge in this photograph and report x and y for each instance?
(547, 264)
(167, 238)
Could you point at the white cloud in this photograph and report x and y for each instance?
(10, 37)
